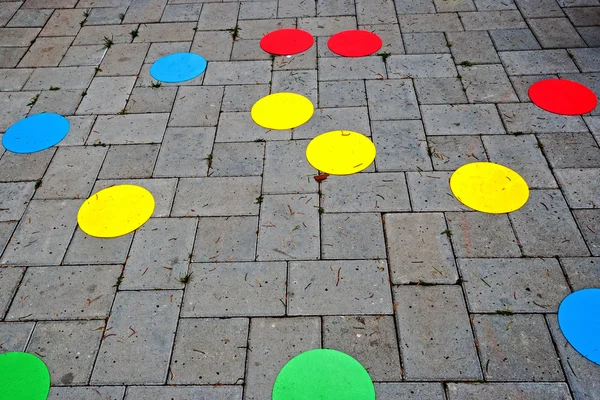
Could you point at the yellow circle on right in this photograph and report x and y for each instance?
(490, 188)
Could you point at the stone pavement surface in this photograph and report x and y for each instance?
(436, 301)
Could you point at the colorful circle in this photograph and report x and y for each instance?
(354, 43)
(579, 321)
(23, 376)
(489, 188)
(561, 96)
(35, 133)
(282, 111)
(325, 375)
(341, 152)
(285, 42)
(178, 67)
(115, 211)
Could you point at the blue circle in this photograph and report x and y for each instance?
(579, 320)
(178, 67)
(35, 133)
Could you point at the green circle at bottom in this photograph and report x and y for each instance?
(323, 374)
(23, 376)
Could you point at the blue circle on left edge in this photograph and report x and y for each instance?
(178, 67)
(35, 133)
(579, 321)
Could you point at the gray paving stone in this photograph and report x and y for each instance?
(209, 351)
(236, 289)
(589, 224)
(128, 129)
(545, 227)
(328, 26)
(63, 23)
(441, 22)
(190, 392)
(482, 235)
(380, 192)
(43, 234)
(537, 62)
(286, 168)
(435, 334)
(68, 349)
(303, 61)
(46, 52)
(272, 343)
(163, 191)
(239, 127)
(487, 84)
(184, 152)
(439, 91)
(410, 261)
(582, 375)
(375, 12)
(342, 94)
(87, 393)
(96, 34)
(213, 45)
(14, 335)
(392, 99)
(259, 10)
(181, 13)
(129, 161)
(389, 34)
(62, 77)
(332, 119)
(339, 68)
(582, 16)
(248, 49)
(123, 59)
(475, 47)
(336, 7)
(582, 272)
(138, 355)
(144, 11)
(190, 100)
(79, 130)
(218, 16)
(6, 231)
(71, 173)
(222, 239)
(414, 6)
(62, 102)
(242, 97)
(83, 55)
(9, 283)
(17, 36)
(430, 191)
(107, 15)
(528, 118)
(534, 285)
(421, 66)
(401, 146)
(488, 391)
(238, 73)
(352, 236)
(300, 82)
(216, 197)
(555, 33)
(516, 348)
(539, 8)
(288, 227)
(327, 288)
(521, 153)
(24, 167)
(237, 159)
(461, 119)
(578, 186)
(425, 43)
(454, 5)
(49, 3)
(51, 293)
(294, 8)
(448, 153)
(29, 18)
(409, 391)
(166, 32)
(10, 56)
(15, 198)
(586, 59)
(158, 50)
(85, 249)
(491, 20)
(570, 150)
(370, 340)
(591, 35)
(160, 254)
(107, 95)
(484, 5)
(514, 39)
(14, 107)
(12, 80)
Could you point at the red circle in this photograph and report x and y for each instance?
(285, 42)
(561, 96)
(355, 43)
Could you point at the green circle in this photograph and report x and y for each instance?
(323, 374)
(23, 376)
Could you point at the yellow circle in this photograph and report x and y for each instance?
(489, 188)
(115, 211)
(282, 111)
(340, 152)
